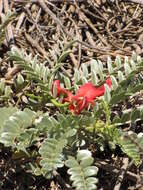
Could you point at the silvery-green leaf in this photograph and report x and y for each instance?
(114, 82)
(23, 54)
(94, 65)
(45, 75)
(33, 64)
(84, 70)
(67, 82)
(133, 64)
(99, 69)
(47, 71)
(100, 64)
(139, 60)
(8, 91)
(94, 77)
(107, 95)
(42, 68)
(134, 56)
(81, 171)
(127, 69)
(90, 170)
(76, 76)
(118, 61)
(120, 76)
(35, 59)
(109, 65)
(126, 60)
(20, 79)
(37, 69)
(83, 153)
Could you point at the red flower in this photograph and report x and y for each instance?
(90, 91)
(84, 97)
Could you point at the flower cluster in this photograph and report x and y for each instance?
(84, 96)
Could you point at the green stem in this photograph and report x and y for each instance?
(57, 104)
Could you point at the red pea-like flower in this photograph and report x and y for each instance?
(90, 91)
(84, 97)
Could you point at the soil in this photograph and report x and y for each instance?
(97, 29)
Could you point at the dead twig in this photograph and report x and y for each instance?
(36, 45)
(20, 21)
(1, 6)
(122, 173)
(12, 72)
(136, 1)
(10, 37)
(104, 165)
(89, 23)
(47, 10)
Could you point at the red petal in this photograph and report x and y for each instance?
(90, 91)
(71, 107)
(82, 104)
(87, 90)
(86, 95)
(69, 96)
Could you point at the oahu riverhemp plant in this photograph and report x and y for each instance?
(81, 111)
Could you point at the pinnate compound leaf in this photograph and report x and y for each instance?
(130, 144)
(51, 154)
(15, 125)
(109, 65)
(81, 171)
(5, 113)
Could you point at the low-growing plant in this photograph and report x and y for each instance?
(84, 113)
